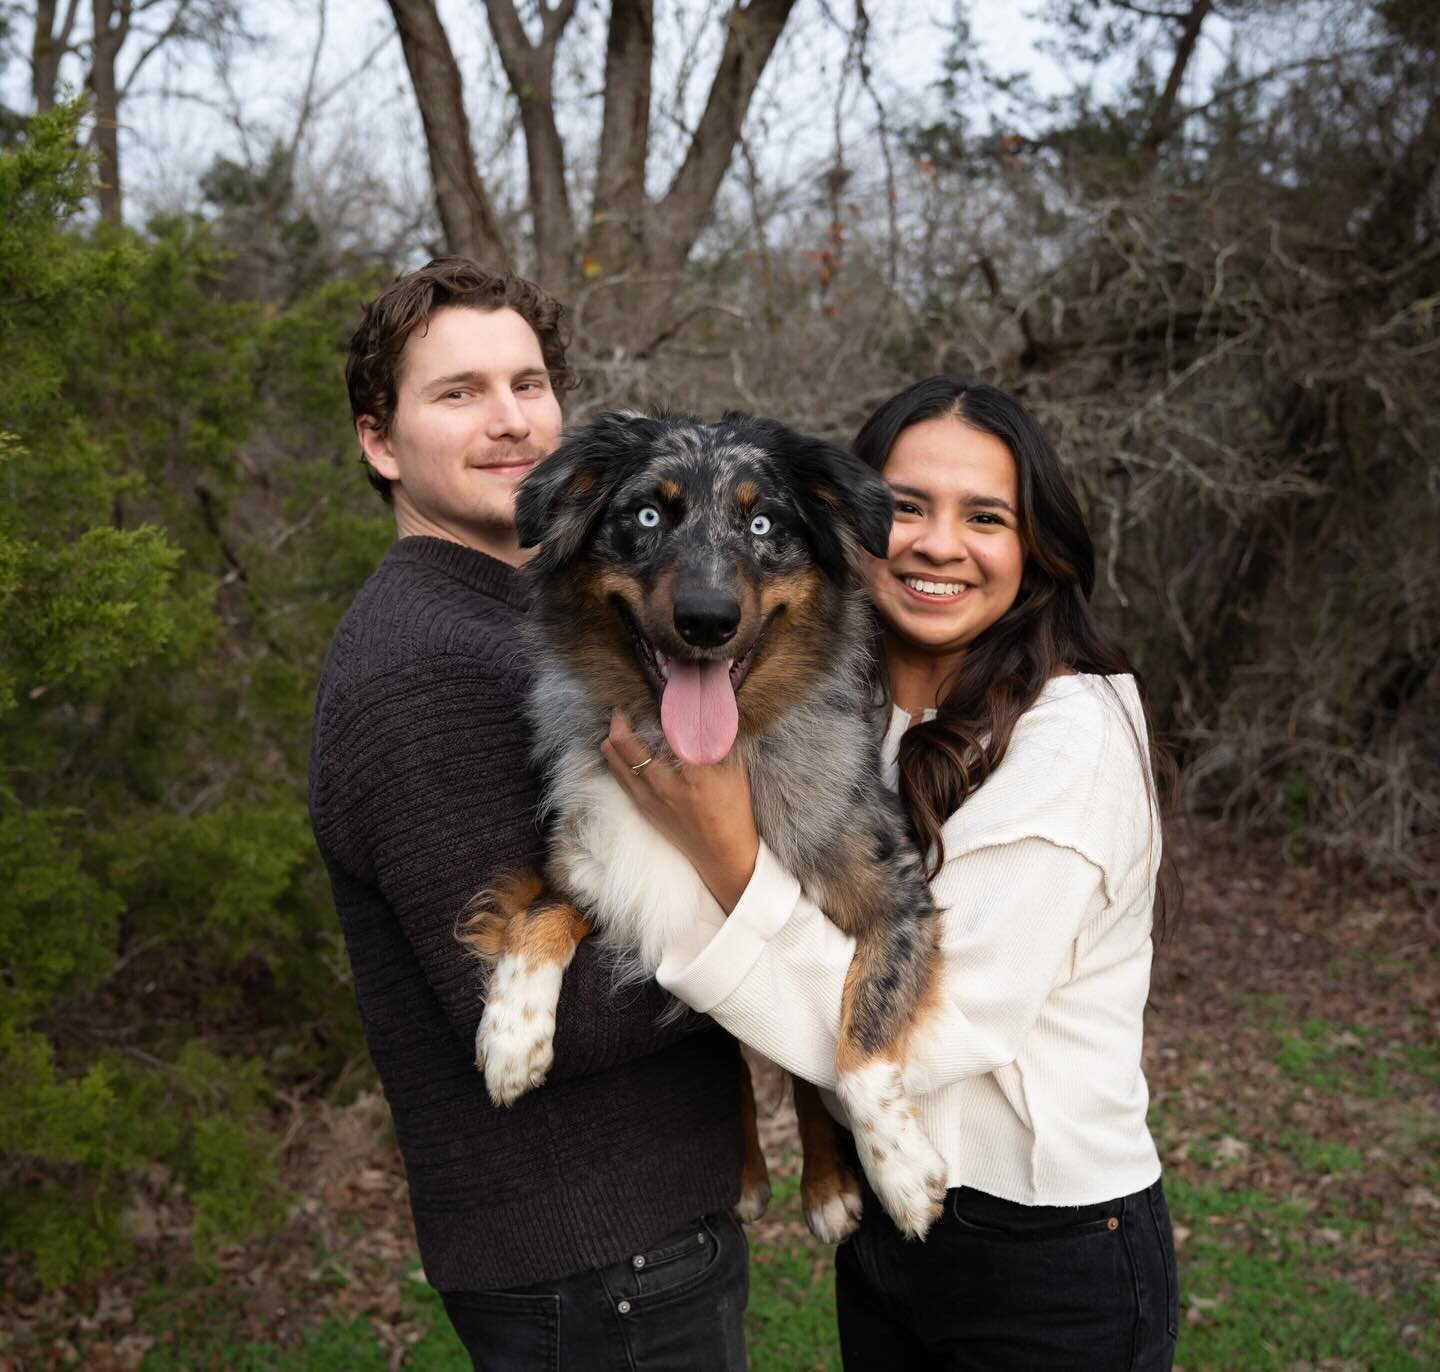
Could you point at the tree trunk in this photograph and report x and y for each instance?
(754, 30)
(111, 25)
(466, 216)
(47, 51)
(617, 222)
(530, 69)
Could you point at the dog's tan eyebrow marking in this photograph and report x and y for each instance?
(746, 493)
(668, 489)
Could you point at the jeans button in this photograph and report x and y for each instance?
(623, 1307)
(638, 1260)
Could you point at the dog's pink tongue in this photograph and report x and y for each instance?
(698, 711)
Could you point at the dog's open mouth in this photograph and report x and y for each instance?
(698, 709)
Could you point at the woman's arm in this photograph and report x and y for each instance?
(774, 974)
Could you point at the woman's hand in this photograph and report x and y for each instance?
(704, 811)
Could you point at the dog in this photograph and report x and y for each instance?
(704, 578)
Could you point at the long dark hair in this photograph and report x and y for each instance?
(1049, 628)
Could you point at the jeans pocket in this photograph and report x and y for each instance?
(678, 1261)
(507, 1331)
(976, 1215)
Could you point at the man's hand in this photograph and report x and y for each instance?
(704, 811)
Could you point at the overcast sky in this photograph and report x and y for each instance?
(181, 115)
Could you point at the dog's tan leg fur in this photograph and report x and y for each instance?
(529, 938)
(829, 1189)
(485, 924)
(905, 1170)
(754, 1175)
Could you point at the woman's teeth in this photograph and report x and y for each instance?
(933, 587)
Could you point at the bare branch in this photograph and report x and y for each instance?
(173, 29)
(307, 97)
(466, 214)
(1175, 17)
(1162, 117)
(1223, 93)
(752, 34)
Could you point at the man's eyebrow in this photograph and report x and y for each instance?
(453, 379)
(472, 378)
(983, 502)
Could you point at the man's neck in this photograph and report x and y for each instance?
(498, 542)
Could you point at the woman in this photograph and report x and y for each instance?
(1019, 742)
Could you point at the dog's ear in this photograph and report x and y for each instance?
(844, 503)
(561, 501)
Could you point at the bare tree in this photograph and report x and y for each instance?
(119, 33)
(626, 231)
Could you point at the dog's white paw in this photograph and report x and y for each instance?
(835, 1217)
(905, 1170)
(753, 1202)
(515, 1043)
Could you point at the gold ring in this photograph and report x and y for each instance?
(641, 766)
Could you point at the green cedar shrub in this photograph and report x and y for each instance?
(181, 524)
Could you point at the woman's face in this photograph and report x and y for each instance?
(955, 551)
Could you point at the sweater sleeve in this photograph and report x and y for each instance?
(774, 973)
(424, 793)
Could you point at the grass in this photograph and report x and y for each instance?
(790, 1321)
(332, 1346)
(1295, 1110)
(1258, 1291)
(1272, 1277)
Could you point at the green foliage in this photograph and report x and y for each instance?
(1255, 1292)
(160, 895)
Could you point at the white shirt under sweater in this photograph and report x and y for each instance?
(1028, 1074)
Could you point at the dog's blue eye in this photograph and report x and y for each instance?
(649, 517)
(760, 525)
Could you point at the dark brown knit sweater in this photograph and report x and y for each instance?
(422, 791)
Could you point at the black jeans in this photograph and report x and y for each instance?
(677, 1304)
(998, 1286)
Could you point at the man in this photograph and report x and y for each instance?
(588, 1225)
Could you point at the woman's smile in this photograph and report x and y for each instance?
(926, 589)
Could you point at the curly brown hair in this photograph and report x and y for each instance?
(410, 301)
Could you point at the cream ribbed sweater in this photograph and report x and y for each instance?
(1029, 1072)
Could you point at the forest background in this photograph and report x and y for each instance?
(1204, 249)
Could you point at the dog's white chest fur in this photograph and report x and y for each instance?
(640, 892)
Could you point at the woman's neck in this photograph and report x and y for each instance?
(917, 677)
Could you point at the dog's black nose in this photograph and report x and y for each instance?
(706, 619)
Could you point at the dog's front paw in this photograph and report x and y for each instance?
(833, 1206)
(907, 1173)
(754, 1201)
(515, 1043)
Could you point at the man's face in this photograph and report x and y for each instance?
(474, 412)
